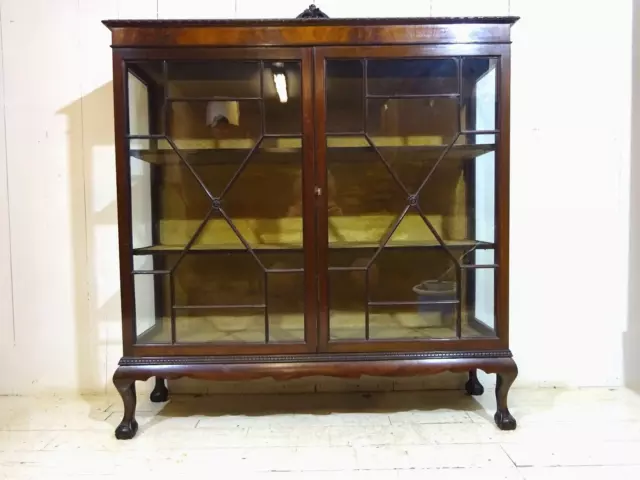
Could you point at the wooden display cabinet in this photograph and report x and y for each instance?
(312, 197)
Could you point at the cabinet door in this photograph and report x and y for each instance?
(217, 163)
(412, 166)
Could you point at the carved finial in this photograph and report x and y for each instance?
(313, 12)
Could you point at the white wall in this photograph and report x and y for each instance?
(571, 97)
(632, 335)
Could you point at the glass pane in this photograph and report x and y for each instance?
(142, 178)
(138, 106)
(282, 97)
(461, 190)
(265, 200)
(413, 322)
(482, 175)
(219, 298)
(220, 325)
(222, 298)
(215, 183)
(433, 76)
(344, 96)
(478, 314)
(479, 93)
(214, 78)
(285, 294)
(347, 296)
(263, 196)
(215, 124)
(413, 291)
(152, 311)
(365, 199)
(410, 199)
(362, 200)
(285, 305)
(415, 122)
(168, 204)
(143, 87)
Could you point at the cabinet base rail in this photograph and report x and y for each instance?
(297, 366)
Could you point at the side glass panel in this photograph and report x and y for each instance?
(411, 198)
(215, 153)
(480, 87)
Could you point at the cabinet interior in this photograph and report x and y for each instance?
(232, 133)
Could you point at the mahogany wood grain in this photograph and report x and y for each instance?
(502, 194)
(310, 237)
(293, 370)
(301, 34)
(123, 175)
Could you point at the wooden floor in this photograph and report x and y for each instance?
(562, 434)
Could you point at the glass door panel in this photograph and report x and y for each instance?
(217, 164)
(410, 181)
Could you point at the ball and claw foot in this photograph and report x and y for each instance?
(127, 389)
(160, 392)
(473, 385)
(504, 420)
(127, 430)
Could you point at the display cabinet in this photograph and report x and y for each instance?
(312, 196)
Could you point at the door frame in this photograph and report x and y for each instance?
(122, 56)
(501, 285)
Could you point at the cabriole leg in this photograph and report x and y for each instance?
(128, 426)
(504, 419)
(160, 392)
(473, 385)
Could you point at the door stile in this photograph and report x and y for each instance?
(322, 220)
(310, 237)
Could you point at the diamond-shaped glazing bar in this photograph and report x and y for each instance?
(387, 237)
(193, 239)
(435, 233)
(386, 164)
(241, 167)
(440, 158)
(193, 172)
(241, 238)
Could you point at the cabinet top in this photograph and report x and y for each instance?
(310, 31)
(298, 22)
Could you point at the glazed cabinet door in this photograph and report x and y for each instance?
(218, 168)
(412, 165)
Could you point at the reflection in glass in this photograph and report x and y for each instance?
(282, 86)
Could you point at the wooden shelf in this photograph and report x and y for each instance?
(227, 248)
(220, 153)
